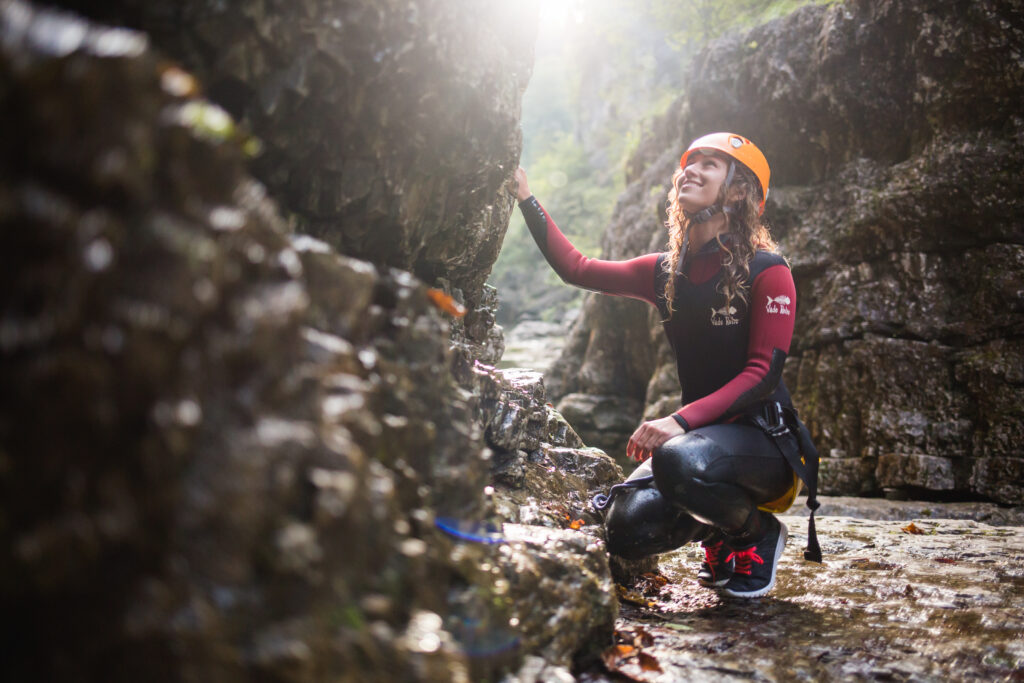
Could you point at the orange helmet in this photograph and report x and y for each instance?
(736, 147)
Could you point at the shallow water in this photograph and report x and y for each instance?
(942, 600)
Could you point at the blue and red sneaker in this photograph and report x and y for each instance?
(717, 567)
(754, 571)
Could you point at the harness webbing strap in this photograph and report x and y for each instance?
(799, 451)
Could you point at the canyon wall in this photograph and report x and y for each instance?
(897, 150)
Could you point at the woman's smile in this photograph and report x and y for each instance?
(701, 180)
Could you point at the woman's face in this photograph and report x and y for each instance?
(701, 180)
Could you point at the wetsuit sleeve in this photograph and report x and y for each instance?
(772, 313)
(633, 278)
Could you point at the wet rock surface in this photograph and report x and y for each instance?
(898, 210)
(916, 599)
(227, 451)
(388, 128)
(230, 452)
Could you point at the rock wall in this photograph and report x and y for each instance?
(897, 152)
(230, 452)
(388, 128)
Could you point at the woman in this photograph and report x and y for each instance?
(725, 460)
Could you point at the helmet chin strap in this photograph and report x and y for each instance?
(706, 214)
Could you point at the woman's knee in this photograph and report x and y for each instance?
(682, 462)
(642, 523)
(626, 522)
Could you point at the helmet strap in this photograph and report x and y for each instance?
(730, 175)
(704, 215)
(682, 252)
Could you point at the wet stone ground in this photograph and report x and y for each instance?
(926, 599)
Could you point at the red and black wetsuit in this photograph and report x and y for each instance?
(730, 362)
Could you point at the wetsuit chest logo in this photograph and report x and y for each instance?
(726, 315)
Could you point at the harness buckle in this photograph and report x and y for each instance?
(776, 419)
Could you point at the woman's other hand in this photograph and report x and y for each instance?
(650, 435)
(523, 190)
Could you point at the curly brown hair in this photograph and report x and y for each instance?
(743, 222)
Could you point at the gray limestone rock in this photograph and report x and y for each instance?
(897, 157)
(602, 420)
(560, 613)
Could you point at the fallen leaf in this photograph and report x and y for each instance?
(632, 597)
(913, 529)
(616, 653)
(656, 579)
(643, 638)
(446, 302)
(649, 663)
(614, 656)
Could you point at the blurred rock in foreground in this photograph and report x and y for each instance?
(228, 452)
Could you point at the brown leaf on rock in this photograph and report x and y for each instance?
(651, 583)
(446, 302)
(642, 638)
(912, 529)
(612, 656)
(649, 662)
(632, 597)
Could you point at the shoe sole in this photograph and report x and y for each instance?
(783, 535)
(714, 584)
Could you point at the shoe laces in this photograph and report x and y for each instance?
(712, 552)
(745, 559)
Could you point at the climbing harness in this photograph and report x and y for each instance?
(794, 441)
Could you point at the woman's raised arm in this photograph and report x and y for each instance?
(633, 278)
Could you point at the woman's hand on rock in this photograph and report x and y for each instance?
(523, 190)
(650, 435)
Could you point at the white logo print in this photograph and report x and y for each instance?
(778, 304)
(724, 316)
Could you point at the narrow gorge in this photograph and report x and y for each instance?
(251, 427)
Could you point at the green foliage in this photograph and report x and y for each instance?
(698, 21)
(562, 177)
